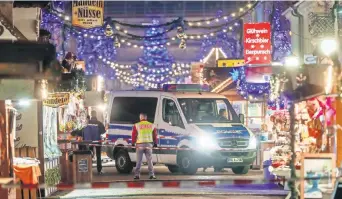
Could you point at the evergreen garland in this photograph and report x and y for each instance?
(52, 176)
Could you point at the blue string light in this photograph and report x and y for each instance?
(88, 48)
(229, 42)
(154, 68)
(281, 41)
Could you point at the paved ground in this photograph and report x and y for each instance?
(204, 197)
(239, 191)
(162, 173)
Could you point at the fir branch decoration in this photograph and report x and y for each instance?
(52, 176)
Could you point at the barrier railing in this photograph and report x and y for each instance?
(153, 183)
(112, 143)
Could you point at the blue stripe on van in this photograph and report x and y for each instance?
(162, 132)
(116, 136)
(120, 127)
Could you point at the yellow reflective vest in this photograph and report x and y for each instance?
(145, 132)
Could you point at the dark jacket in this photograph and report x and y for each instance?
(91, 132)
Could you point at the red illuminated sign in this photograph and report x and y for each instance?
(257, 43)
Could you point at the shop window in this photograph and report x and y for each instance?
(126, 110)
(171, 114)
(208, 110)
(254, 113)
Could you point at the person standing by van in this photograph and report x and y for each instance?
(92, 132)
(144, 137)
(97, 129)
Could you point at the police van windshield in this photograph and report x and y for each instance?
(208, 110)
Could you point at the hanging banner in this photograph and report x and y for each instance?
(57, 99)
(230, 62)
(87, 14)
(257, 43)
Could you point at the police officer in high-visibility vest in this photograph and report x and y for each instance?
(144, 137)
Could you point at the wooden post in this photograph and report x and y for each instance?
(4, 164)
(82, 167)
(338, 133)
(40, 139)
(6, 150)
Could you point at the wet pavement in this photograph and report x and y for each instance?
(237, 189)
(162, 173)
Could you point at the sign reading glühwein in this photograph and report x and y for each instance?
(87, 14)
(257, 43)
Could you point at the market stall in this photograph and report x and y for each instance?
(314, 138)
(25, 65)
(71, 115)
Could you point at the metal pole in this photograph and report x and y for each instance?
(292, 181)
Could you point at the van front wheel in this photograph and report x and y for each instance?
(187, 163)
(123, 163)
(241, 169)
(173, 168)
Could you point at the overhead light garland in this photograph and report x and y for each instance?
(237, 14)
(109, 32)
(173, 23)
(124, 72)
(113, 37)
(227, 44)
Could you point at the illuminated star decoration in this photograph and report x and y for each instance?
(235, 74)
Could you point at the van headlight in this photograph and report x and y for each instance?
(206, 142)
(252, 142)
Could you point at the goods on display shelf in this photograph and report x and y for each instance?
(313, 118)
(71, 116)
(51, 149)
(281, 152)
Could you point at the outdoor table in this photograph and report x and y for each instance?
(28, 174)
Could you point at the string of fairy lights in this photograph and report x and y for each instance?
(122, 35)
(172, 40)
(124, 74)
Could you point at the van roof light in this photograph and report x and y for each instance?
(186, 87)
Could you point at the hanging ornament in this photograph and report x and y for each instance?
(109, 31)
(238, 84)
(274, 87)
(182, 44)
(283, 81)
(117, 43)
(180, 33)
(300, 79)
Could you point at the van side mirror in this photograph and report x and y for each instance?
(242, 118)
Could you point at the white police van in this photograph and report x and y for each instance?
(186, 118)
